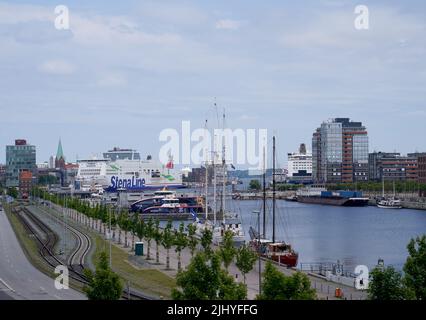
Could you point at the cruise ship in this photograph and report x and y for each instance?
(123, 169)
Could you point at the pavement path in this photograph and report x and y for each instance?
(19, 279)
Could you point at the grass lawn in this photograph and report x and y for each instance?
(150, 281)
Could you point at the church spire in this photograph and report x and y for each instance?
(60, 152)
(60, 158)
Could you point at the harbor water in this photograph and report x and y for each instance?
(355, 236)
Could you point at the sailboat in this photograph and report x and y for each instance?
(389, 203)
(231, 221)
(278, 251)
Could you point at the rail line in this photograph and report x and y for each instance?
(77, 258)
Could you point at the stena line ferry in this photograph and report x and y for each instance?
(124, 169)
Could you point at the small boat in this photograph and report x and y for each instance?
(389, 203)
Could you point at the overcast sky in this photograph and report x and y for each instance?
(128, 69)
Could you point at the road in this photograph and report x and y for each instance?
(19, 279)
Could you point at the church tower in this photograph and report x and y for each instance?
(60, 158)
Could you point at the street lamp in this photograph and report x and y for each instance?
(258, 250)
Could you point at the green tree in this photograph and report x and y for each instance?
(245, 259)
(157, 238)
(103, 284)
(141, 229)
(386, 284)
(167, 241)
(254, 185)
(227, 250)
(277, 286)
(12, 192)
(415, 268)
(181, 241)
(192, 240)
(205, 280)
(149, 234)
(206, 240)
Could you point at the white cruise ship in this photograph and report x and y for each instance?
(123, 169)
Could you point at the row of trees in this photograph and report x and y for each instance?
(389, 284)
(207, 275)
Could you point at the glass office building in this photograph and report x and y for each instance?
(19, 157)
(340, 152)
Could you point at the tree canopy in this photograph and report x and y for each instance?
(104, 284)
(277, 286)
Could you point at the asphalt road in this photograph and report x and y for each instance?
(19, 279)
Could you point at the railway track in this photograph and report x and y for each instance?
(76, 260)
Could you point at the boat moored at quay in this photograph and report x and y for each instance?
(320, 195)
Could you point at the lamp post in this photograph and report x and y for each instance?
(258, 250)
(110, 238)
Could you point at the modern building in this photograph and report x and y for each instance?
(51, 162)
(299, 166)
(19, 157)
(421, 169)
(25, 183)
(391, 166)
(340, 152)
(2, 174)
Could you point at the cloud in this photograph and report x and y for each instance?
(57, 67)
(112, 80)
(228, 24)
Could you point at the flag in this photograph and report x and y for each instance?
(193, 214)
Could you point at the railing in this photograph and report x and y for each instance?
(321, 268)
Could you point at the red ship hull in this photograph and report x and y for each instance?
(289, 260)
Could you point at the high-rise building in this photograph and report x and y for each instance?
(19, 157)
(391, 166)
(299, 166)
(340, 152)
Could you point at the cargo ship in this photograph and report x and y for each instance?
(320, 195)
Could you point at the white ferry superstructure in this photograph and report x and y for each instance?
(135, 174)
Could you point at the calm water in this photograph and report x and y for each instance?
(327, 233)
(352, 235)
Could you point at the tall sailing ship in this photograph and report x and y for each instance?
(231, 221)
(278, 251)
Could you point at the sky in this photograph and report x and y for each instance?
(126, 70)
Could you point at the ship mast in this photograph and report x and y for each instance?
(273, 189)
(206, 178)
(264, 194)
(214, 186)
(224, 168)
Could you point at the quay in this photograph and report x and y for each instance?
(408, 201)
